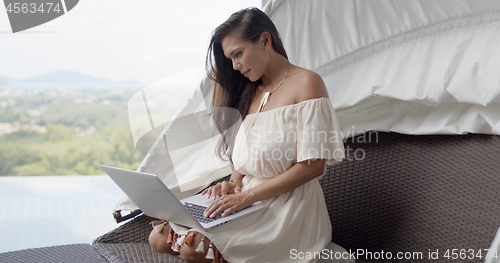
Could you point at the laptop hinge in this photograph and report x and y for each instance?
(117, 215)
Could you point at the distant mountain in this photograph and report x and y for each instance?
(67, 80)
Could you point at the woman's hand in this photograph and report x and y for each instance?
(228, 204)
(222, 189)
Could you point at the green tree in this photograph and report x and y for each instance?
(61, 152)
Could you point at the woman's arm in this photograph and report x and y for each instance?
(295, 176)
(236, 176)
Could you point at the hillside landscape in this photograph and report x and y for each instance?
(71, 127)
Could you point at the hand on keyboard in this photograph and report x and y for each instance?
(222, 189)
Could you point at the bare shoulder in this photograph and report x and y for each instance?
(310, 85)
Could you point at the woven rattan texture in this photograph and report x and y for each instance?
(393, 193)
(135, 231)
(77, 253)
(134, 253)
(129, 243)
(407, 193)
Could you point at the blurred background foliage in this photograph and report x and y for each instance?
(65, 133)
(60, 151)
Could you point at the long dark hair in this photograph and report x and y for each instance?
(232, 89)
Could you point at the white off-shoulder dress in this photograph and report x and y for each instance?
(296, 221)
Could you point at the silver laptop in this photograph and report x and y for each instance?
(149, 193)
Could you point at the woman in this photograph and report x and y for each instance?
(283, 144)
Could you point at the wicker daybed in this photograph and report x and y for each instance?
(394, 193)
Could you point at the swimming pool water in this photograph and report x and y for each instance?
(55, 210)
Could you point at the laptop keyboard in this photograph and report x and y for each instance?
(197, 212)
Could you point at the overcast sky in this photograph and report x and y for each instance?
(146, 40)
